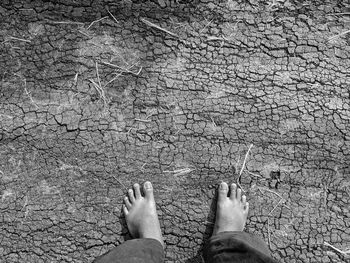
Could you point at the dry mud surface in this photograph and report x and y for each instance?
(97, 95)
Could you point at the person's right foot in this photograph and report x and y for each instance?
(231, 211)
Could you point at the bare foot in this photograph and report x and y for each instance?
(140, 213)
(232, 211)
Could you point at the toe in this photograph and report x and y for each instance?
(244, 200)
(246, 207)
(233, 191)
(125, 210)
(148, 188)
(239, 194)
(131, 195)
(223, 189)
(137, 191)
(127, 203)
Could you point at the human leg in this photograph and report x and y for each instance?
(143, 224)
(229, 243)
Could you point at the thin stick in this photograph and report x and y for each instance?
(20, 39)
(28, 94)
(280, 201)
(268, 190)
(346, 13)
(81, 32)
(253, 174)
(245, 160)
(214, 38)
(268, 232)
(98, 20)
(98, 76)
(119, 74)
(76, 79)
(242, 168)
(158, 27)
(66, 22)
(200, 32)
(120, 182)
(123, 69)
(143, 120)
(113, 16)
(180, 171)
(342, 33)
(337, 249)
(96, 86)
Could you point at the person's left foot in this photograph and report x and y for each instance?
(141, 214)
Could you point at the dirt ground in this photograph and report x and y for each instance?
(98, 95)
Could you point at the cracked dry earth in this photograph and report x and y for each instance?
(98, 95)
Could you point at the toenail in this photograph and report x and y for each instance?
(148, 185)
(222, 186)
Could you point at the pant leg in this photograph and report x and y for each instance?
(145, 250)
(236, 246)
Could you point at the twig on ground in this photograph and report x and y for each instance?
(254, 174)
(177, 24)
(83, 33)
(268, 190)
(141, 120)
(65, 22)
(30, 97)
(76, 79)
(16, 38)
(346, 252)
(273, 209)
(113, 79)
(243, 166)
(214, 38)
(113, 17)
(345, 13)
(180, 171)
(98, 75)
(158, 27)
(245, 160)
(123, 69)
(100, 91)
(28, 94)
(212, 120)
(200, 32)
(120, 182)
(340, 34)
(25, 206)
(98, 20)
(143, 166)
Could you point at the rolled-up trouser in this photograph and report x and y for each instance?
(143, 250)
(226, 247)
(236, 246)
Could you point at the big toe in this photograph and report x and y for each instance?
(223, 189)
(148, 190)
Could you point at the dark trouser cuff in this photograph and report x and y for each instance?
(236, 246)
(145, 250)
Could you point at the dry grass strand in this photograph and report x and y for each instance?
(158, 27)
